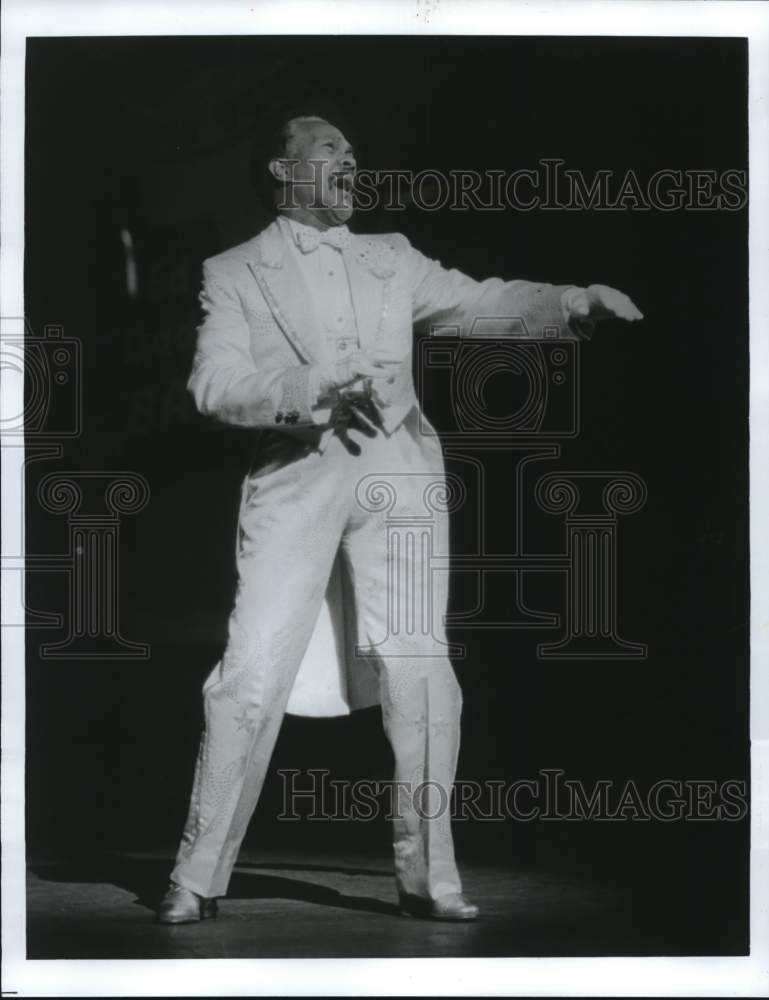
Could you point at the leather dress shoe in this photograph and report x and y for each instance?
(453, 906)
(182, 906)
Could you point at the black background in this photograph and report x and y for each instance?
(154, 136)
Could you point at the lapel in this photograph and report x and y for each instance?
(281, 283)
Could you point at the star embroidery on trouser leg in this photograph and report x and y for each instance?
(244, 722)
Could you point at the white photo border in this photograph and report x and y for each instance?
(711, 976)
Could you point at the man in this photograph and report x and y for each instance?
(307, 338)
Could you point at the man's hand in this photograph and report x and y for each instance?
(598, 302)
(382, 364)
(349, 383)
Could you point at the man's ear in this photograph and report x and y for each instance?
(281, 169)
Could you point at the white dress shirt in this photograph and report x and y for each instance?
(328, 283)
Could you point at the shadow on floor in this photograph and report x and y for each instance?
(290, 904)
(147, 878)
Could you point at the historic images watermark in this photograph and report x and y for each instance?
(592, 504)
(551, 795)
(550, 185)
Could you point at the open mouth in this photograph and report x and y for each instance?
(341, 183)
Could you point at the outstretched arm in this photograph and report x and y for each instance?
(494, 307)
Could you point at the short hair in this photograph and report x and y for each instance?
(286, 136)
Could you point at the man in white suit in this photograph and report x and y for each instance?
(307, 338)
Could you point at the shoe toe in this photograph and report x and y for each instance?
(454, 907)
(181, 906)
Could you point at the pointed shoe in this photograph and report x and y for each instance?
(182, 906)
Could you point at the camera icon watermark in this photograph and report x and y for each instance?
(42, 383)
(42, 408)
(541, 383)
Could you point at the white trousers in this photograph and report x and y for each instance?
(300, 510)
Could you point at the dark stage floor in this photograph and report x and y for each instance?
(287, 903)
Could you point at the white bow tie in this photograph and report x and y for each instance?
(308, 239)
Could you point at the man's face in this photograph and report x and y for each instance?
(320, 183)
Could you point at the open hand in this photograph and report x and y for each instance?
(598, 302)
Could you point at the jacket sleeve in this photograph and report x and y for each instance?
(490, 308)
(225, 380)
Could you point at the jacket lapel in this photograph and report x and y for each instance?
(281, 283)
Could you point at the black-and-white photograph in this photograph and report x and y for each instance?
(380, 473)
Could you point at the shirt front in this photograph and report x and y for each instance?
(325, 275)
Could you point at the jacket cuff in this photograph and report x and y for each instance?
(582, 326)
(295, 402)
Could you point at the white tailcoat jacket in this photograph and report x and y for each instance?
(260, 335)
